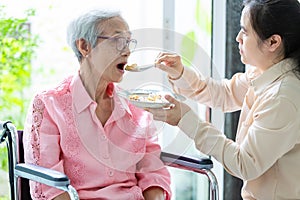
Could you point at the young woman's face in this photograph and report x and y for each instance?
(251, 49)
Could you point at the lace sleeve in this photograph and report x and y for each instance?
(38, 120)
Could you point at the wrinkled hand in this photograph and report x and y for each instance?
(170, 63)
(173, 115)
(63, 196)
(154, 193)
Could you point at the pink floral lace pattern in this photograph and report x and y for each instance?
(72, 143)
(37, 116)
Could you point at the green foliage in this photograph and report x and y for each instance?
(4, 198)
(188, 47)
(203, 17)
(3, 158)
(17, 48)
(204, 23)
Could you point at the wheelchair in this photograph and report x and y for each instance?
(20, 173)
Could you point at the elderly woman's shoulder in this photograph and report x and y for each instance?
(61, 89)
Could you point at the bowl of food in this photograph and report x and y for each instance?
(149, 98)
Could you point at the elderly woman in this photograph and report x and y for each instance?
(107, 147)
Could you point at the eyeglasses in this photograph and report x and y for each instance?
(122, 42)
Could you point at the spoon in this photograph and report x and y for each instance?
(136, 68)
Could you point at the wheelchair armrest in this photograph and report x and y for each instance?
(198, 165)
(41, 174)
(46, 176)
(189, 163)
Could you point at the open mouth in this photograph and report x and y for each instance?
(120, 66)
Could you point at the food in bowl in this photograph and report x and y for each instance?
(151, 98)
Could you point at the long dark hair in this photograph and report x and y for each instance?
(281, 17)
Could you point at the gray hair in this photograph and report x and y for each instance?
(86, 27)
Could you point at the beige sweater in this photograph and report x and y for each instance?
(266, 152)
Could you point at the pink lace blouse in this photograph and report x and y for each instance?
(117, 161)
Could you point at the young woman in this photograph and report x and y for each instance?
(266, 152)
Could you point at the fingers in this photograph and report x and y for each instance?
(163, 115)
(170, 63)
(171, 99)
(171, 115)
(158, 114)
(174, 102)
(168, 59)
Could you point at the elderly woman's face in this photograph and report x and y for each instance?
(111, 52)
